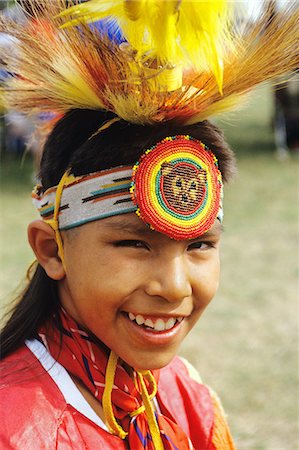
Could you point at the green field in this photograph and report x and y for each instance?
(246, 345)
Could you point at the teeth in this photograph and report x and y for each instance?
(139, 319)
(170, 323)
(159, 325)
(149, 323)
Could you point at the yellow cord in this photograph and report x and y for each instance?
(152, 422)
(54, 223)
(114, 427)
(153, 383)
(138, 411)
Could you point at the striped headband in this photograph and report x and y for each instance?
(175, 188)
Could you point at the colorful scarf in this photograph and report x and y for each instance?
(126, 398)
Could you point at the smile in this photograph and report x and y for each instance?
(158, 324)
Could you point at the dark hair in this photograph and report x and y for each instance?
(76, 143)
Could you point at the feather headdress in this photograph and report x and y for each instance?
(174, 60)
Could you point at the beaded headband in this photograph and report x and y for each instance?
(175, 188)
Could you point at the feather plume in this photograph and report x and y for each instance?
(60, 67)
(167, 31)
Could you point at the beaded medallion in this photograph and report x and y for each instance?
(177, 187)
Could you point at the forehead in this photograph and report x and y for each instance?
(130, 223)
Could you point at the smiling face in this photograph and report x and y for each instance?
(137, 290)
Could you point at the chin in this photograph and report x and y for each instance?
(151, 363)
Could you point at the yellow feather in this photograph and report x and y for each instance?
(62, 67)
(170, 32)
(203, 28)
(133, 9)
(71, 81)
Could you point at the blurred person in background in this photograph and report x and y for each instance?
(286, 117)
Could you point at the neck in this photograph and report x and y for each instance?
(94, 403)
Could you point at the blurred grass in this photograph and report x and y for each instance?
(246, 344)
(16, 212)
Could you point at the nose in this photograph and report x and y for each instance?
(170, 280)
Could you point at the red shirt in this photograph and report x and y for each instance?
(35, 415)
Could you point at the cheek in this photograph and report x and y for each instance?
(98, 285)
(206, 282)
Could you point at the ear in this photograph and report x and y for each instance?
(41, 237)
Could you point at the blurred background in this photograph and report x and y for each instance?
(246, 345)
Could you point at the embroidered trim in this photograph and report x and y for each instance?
(87, 198)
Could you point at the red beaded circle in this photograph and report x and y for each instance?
(176, 186)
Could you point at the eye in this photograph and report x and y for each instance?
(193, 185)
(201, 245)
(179, 183)
(131, 243)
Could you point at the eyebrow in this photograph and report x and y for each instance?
(212, 231)
(128, 227)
